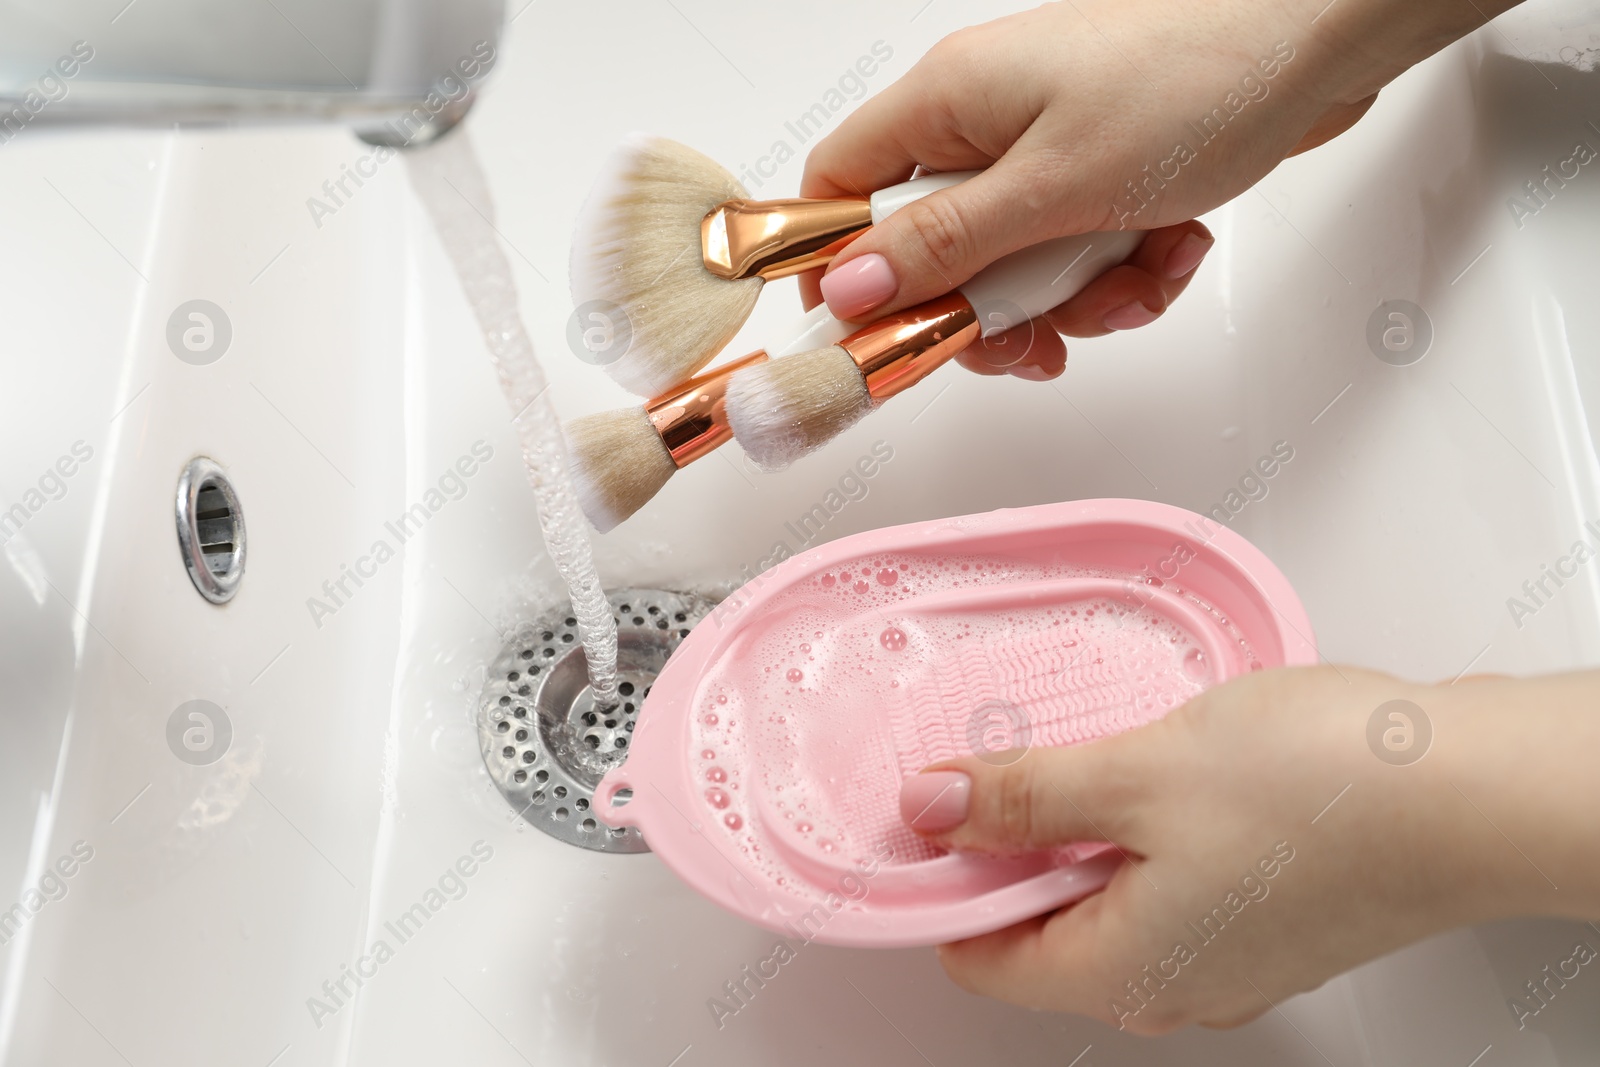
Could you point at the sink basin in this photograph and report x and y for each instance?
(318, 870)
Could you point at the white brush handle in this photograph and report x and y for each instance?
(886, 202)
(1032, 280)
(1009, 291)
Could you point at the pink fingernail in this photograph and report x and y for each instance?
(935, 801)
(859, 286)
(1129, 317)
(1187, 254)
(1032, 372)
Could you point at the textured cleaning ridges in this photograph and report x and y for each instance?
(636, 249)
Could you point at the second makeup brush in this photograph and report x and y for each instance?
(783, 408)
(670, 244)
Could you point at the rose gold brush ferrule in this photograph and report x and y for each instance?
(693, 420)
(777, 238)
(900, 350)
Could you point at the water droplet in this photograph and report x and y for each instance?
(1195, 666)
(804, 647)
(803, 826)
(827, 846)
(711, 719)
(861, 587)
(893, 639)
(732, 820)
(795, 675)
(717, 798)
(827, 581)
(887, 576)
(717, 774)
(708, 754)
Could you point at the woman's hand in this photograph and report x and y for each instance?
(1100, 115)
(1270, 846)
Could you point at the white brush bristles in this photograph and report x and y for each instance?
(636, 249)
(618, 462)
(784, 408)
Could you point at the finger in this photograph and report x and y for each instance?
(1007, 961)
(1033, 352)
(1141, 289)
(1032, 799)
(932, 245)
(1123, 298)
(888, 137)
(810, 289)
(1057, 962)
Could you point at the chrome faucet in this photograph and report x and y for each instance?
(399, 72)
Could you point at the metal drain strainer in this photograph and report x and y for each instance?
(545, 743)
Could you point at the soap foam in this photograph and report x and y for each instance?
(810, 720)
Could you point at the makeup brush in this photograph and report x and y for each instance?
(620, 459)
(670, 243)
(792, 405)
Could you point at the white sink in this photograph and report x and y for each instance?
(219, 898)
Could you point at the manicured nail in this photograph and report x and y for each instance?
(859, 286)
(1032, 372)
(936, 801)
(1187, 254)
(1129, 317)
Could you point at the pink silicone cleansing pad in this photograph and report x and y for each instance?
(769, 754)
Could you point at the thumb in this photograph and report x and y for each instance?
(932, 245)
(1044, 798)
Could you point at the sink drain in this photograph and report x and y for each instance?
(544, 742)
